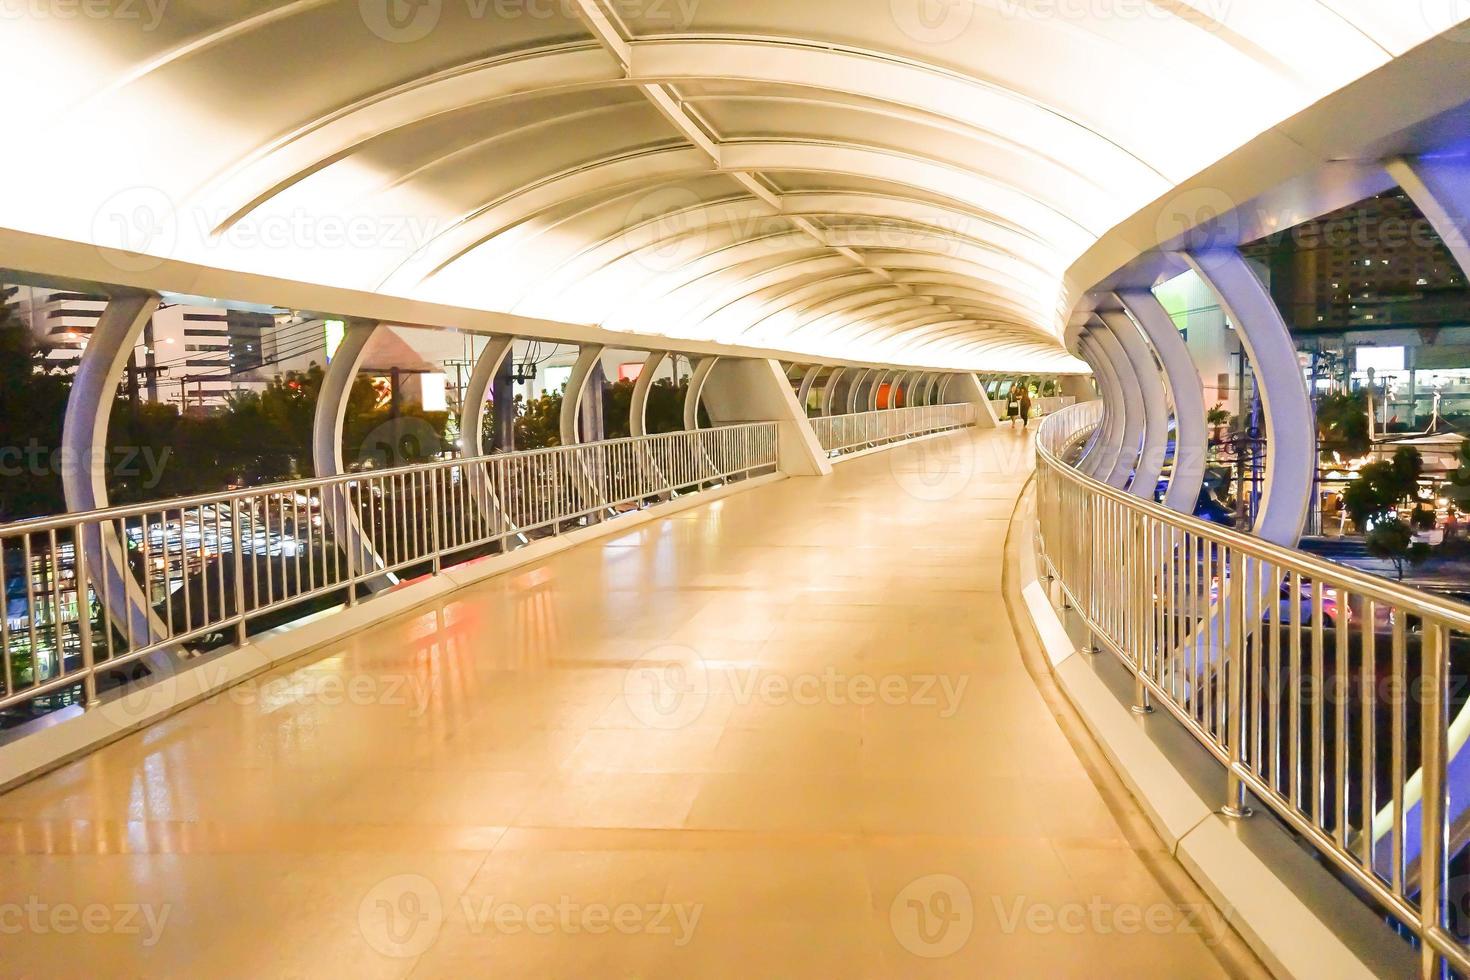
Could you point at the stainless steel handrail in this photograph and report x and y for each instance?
(171, 574)
(841, 434)
(1304, 678)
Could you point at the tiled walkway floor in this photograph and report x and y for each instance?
(787, 734)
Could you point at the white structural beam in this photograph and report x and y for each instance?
(808, 379)
(1440, 189)
(697, 381)
(1153, 401)
(84, 464)
(1107, 442)
(966, 388)
(1191, 437)
(829, 390)
(1291, 437)
(756, 390)
(638, 404)
(326, 448)
(571, 403)
(1129, 405)
(487, 366)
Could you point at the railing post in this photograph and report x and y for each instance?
(1233, 662)
(239, 567)
(1435, 830)
(84, 623)
(434, 539)
(1139, 600)
(342, 497)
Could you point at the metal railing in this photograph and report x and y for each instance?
(1335, 697)
(840, 434)
(178, 575)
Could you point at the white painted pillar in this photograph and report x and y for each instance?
(638, 404)
(695, 393)
(965, 387)
(829, 390)
(855, 391)
(84, 465)
(1103, 450)
(808, 378)
(326, 449)
(486, 368)
(588, 358)
(1131, 404)
(1291, 436)
(1151, 396)
(1191, 434)
(745, 390)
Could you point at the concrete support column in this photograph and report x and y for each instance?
(1130, 404)
(829, 390)
(697, 382)
(1151, 395)
(1291, 436)
(487, 368)
(855, 393)
(326, 449)
(588, 358)
(1106, 445)
(638, 405)
(503, 398)
(84, 464)
(743, 390)
(966, 388)
(808, 378)
(1191, 434)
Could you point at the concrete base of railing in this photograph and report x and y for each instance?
(1295, 916)
(66, 735)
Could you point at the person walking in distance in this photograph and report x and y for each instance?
(1024, 407)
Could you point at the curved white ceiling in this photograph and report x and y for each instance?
(903, 181)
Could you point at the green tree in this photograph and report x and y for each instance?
(1393, 539)
(1342, 423)
(32, 405)
(1382, 486)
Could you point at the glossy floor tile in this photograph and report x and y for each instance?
(786, 734)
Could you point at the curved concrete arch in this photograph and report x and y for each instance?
(1109, 451)
(1291, 438)
(1128, 389)
(829, 390)
(84, 431)
(1191, 436)
(571, 403)
(1150, 395)
(807, 380)
(697, 381)
(327, 425)
(638, 410)
(487, 366)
